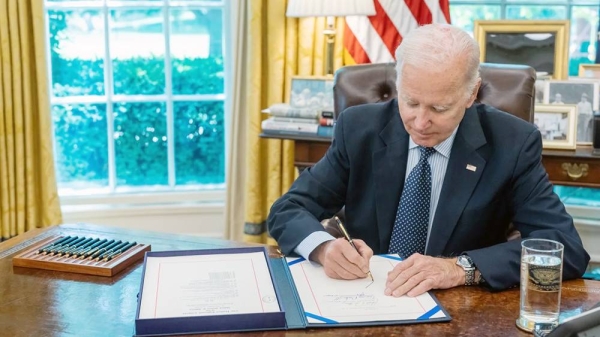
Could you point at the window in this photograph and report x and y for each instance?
(582, 202)
(137, 95)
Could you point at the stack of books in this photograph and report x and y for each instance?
(297, 121)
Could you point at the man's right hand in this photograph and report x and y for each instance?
(341, 261)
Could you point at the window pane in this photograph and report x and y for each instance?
(140, 144)
(539, 1)
(584, 25)
(463, 15)
(76, 51)
(523, 12)
(137, 49)
(80, 143)
(199, 142)
(197, 51)
(579, 196)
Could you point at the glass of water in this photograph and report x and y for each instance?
(541, 279)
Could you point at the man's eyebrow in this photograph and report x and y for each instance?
(406, 97)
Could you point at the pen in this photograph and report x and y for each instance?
(54, 247)
(111, 250)
(54, 244)
(343, 229)
(119, 251)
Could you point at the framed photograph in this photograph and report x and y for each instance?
(541, 44)
(311, 92)
(589, 70)
(540, 84)
(557, 124)
(584, 94)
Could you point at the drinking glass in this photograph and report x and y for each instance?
(541, 279)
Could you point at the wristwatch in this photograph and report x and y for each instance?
(465, 262)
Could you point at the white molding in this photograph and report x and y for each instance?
(584, 212)
(165, 197)
(135, 4)
(114, 211)
(200, 219)
(589, 231)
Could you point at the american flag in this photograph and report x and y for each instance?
(374, 39)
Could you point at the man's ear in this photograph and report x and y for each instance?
(474, 93)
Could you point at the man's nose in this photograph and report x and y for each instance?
(422, 119)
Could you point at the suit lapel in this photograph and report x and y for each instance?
(459, 181)
(389, 167)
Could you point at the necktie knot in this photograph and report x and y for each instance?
(426, 152)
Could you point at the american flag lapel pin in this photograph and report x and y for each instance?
(471, 167)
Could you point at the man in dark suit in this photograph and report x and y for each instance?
(430, 176)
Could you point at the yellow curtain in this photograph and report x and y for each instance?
(278, 48)
(28, 195)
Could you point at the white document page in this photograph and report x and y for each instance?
(327, 300)
(204, 285)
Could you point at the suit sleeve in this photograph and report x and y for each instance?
(318, 193)
(537, 213)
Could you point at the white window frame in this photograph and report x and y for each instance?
(171, 194)
(504, 3)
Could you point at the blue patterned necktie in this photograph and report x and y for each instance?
(412, 218)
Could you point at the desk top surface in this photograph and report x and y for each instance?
(46, 303)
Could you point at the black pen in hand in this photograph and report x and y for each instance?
(347, 236)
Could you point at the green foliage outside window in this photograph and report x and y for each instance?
(140, 129)
(80, 144)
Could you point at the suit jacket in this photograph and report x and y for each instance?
(364, 169)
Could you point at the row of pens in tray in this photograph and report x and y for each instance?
(86, 248)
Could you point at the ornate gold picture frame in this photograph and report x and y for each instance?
(541, 44)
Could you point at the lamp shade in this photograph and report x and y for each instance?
(308, 8)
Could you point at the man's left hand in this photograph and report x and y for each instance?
(419, 273)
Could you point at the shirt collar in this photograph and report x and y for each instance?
(443, 148)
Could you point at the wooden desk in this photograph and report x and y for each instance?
(51, 304)
(573, 168)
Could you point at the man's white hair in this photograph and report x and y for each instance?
(435, 45)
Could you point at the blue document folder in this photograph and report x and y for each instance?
(289, 315)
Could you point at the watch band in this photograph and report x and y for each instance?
(470, 277)
(465, 262)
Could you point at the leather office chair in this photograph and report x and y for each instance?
(510, 88)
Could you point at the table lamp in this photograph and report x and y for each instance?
(329, 9)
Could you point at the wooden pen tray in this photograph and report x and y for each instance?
(31, 259)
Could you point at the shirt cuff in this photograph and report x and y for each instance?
(311, 242)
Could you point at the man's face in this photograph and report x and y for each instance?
(432, 102)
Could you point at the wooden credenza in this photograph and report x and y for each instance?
(573, 168)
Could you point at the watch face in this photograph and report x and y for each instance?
(465, 261)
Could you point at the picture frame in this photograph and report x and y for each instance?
(557, 124)
(541, 44)
(311, 92)
(589, 70)
(584, 94)
(540, 84)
